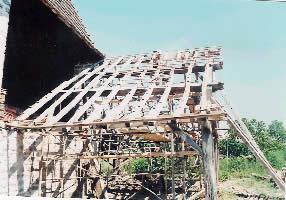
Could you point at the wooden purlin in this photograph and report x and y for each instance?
(64, 96)
(27, 113)
(163, 100)
(124, 156)
(148, 78)
(81, 95)
(187, 91)
(144, 99)
(83, 108)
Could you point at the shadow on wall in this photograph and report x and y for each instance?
(41, 53)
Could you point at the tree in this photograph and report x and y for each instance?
(277, 130)
(269, 139)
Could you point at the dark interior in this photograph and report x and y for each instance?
(41, 53)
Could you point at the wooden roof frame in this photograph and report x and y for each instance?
(119, 83)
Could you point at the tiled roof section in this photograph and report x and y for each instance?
(65, 10)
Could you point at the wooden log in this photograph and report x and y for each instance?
(209, 161)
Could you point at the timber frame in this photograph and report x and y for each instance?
(164, 100)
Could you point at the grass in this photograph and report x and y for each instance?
(239, 167)
(237, 173)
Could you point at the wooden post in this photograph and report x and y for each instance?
(184, 169)
(209, 161)
(216, 150)
(166, 176)
(172, 162)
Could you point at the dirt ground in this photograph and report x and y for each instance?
(249, 188)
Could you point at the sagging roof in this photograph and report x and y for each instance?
(66, 12)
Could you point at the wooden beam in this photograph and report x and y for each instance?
(217, 115)
(65, 95)
(99, 91)
(163, 100)
(125, 156)
(187, 91)
(186, 138)
(49, 96)
(209, 161)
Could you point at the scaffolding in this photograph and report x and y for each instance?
(84, 137)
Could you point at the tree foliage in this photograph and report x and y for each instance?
(270, 139)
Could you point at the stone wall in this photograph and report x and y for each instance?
(25, 170)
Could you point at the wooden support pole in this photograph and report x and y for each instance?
(184, 170)
(185, 137)
(172, 162)
(166, 176)
(209, 161)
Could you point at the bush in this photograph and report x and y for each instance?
(139, 165)
(277, 158)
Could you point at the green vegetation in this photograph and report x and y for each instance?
(239, 162)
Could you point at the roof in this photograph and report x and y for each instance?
(129, 91)
(66, 12)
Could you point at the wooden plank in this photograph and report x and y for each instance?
(164, 97)
(144, 99)
(49, 96)
(217, 115)
(99, 91)
(257, 153)
(153, 137)
(64, 96)
(206, 89)
(132, 155)
(66, 109)
(183, 102)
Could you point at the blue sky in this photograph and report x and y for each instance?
(252, 34)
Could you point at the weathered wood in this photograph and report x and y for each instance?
(49, 96)
(215, 115)
(126, 98)
(186, 138)
(209, 161)
(64, 96)
(155, 112)
(125, 156)
(99, 91)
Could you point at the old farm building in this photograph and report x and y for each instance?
(84, 119)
